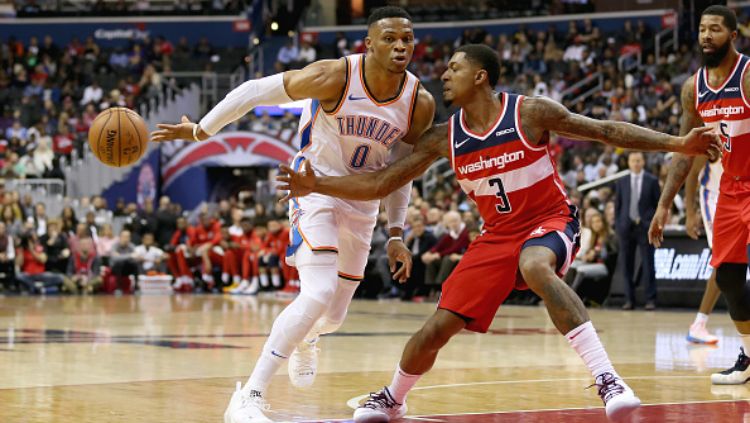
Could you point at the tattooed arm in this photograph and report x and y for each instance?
(680, 166)
(369, 186)
(542, 113)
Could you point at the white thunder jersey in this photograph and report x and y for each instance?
(358, 135)
(711, 175)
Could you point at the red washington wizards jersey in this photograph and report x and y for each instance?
(514, 183)
(726, 109)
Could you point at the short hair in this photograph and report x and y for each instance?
(730, 19)
(485, 57)
(387, 12)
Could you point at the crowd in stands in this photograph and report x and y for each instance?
(51, 97)
(226, 247)
(50, 94)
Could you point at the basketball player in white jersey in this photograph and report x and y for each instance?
(703, 180)
(365, 109)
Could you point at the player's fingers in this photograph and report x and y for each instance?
(166, 126)
(400, 275)
(184, 119)
(285, 168)
(283, 178)
(284, 187)
(308, 167)
(391, 264)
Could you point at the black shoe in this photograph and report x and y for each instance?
(628, 306)
(736, 375)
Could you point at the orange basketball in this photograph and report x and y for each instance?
(118, 137)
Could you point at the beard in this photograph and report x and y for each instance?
(712, 60)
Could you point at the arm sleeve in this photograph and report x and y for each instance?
(397, 203)
(268, 91)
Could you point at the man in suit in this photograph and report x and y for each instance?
(419, 241)
(635, 205)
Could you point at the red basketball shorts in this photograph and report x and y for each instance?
(732, 223)
(488, 272)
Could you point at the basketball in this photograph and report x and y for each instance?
(118, 137)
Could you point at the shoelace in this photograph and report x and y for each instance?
(380, 399)
(252, 398)
(306, 358)
(608, 386)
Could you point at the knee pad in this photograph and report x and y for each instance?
(730, 278)
(318, 274)
(291, 326)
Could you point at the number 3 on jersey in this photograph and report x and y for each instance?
(723, 128)
(359, 157)
(504, 205)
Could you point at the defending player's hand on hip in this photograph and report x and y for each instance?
(700, 141)
(656, 230)
(298, 184)
(398, 253)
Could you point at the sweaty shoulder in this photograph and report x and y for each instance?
(323, 80)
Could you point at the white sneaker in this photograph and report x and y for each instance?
(303, 364)
(698, 334)
(239, 288)
(246, 408)
(735, 375)
(379, 408)
(619, 400)
(252, 288)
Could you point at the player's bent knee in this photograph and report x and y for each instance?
(730, 278)
(319, 272)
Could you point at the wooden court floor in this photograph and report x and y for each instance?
(177, 358)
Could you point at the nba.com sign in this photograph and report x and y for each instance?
(676, 264)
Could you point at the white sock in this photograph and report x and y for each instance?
(701, 319)
(236, 280)
(265, 368)
(745, 342)
(401, 384)
(275, 279)
(263, 280)
(586, 342)
(208, 278)
(288, 330)
(224, 277)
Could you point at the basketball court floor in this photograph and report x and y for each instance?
(177, 358)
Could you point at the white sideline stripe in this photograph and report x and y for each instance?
(353, 403)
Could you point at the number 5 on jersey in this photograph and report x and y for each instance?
(504, 205)
(723, 128)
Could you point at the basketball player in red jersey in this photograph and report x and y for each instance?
(717, 97)
(497, 147)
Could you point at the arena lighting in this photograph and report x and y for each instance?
(274, 26)
(256, 41)
(290, 34)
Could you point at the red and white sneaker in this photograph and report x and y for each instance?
(698, 334)
(619, 400)
(379, 408)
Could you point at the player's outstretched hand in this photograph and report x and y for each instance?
(299, 184)
(180, 131)
(656, 230)
(691, 224)
(398, 253)
(702, 140)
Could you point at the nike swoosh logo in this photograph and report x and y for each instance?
(352, 98)
(700, 95)
(459, 144)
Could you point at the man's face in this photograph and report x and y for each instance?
(148, 240)
(636, 162)
(418, 227)
(715, 39)
(459, 79)
(124, 237)
(390, 41)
